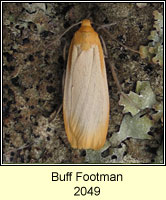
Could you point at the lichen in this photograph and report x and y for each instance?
(135, 102)
(154, 50)
(159, 112)
(135, 127)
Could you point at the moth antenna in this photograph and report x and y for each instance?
(126, 47)
(54, 42)
(68, 30)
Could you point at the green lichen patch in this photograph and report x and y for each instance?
(159, 112)
(143, 98)
(135, 127)
(106, 155)
(154, 50)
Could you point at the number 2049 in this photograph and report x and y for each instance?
(83, 191)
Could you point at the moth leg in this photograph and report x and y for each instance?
(51, 44)
(120, 43)
(104, 47)
(111, 65)
(114, 74)
(115, 77)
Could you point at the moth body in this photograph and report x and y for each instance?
(86, 98)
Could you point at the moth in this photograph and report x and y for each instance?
(86, 99)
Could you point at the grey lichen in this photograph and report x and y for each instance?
(154, 50)
(143, 98)
(135, 127)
